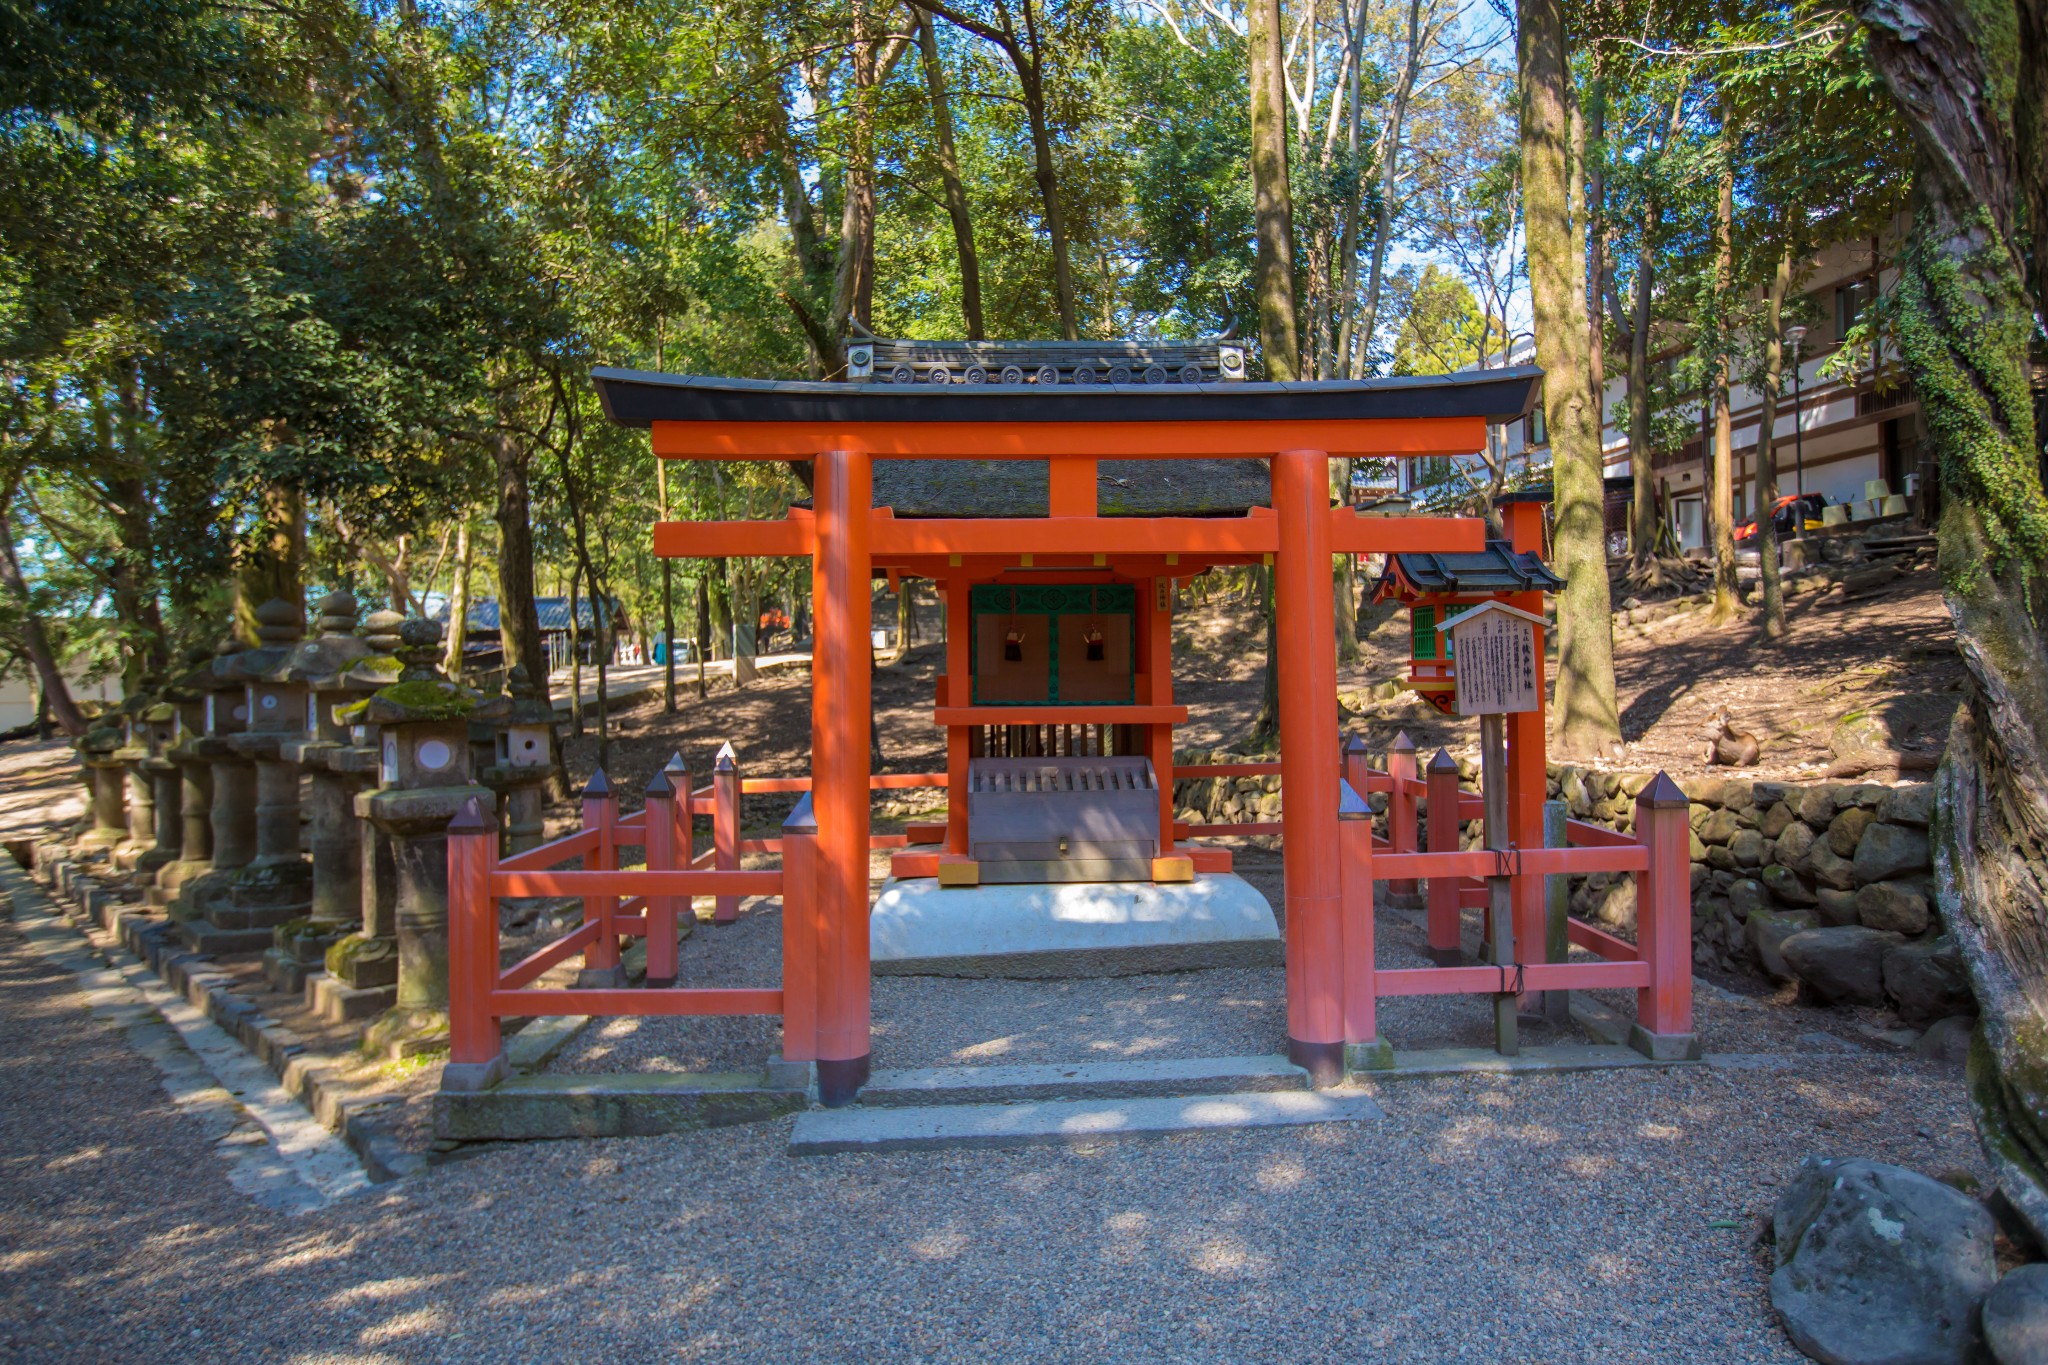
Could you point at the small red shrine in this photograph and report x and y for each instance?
(1055, 501)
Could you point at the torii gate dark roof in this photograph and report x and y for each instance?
(638, 398)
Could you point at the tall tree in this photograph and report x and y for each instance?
(1023, 38)
(949, 174)
(1727, 592)
(1969, 80)
(1279, 332)
(1588, 721)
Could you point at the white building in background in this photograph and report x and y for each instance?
(18, 697)
(1858, 426)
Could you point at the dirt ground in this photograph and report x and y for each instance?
(1892, 650)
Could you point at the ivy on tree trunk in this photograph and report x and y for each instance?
(1968, 79)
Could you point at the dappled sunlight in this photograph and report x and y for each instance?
(1661, 1132)
(88, 1154)
(941, 1244)
(1280, 1173)
(1588, 1166)
(412, 1323)
(1228, 1258)
(381, 1291)
(994, 1047)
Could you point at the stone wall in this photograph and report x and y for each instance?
(1825, 883)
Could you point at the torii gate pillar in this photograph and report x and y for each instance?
(1305, 635)
(841, 570)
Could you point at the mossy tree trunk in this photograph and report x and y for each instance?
(1588, 722)
(1969, 80)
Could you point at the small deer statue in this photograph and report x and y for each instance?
(1728, 745)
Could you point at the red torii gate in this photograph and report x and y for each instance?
(843, 428)
(1333, 983)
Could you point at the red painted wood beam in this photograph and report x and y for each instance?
(636, 1002)
(1353, 534)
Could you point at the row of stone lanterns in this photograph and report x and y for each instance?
(196, 794)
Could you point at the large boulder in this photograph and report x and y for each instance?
(1886, 851)
(1831, 868)
(1879, 1265)
(1719, 827)
(1926, 981)
(1786, 886)
(1817, 805)
(1768, 930)
(1837, 906)
(1841, 964)
(2016, 1316)
(1793, 842)
(1746, 896)
(1847, 828)
(1908, 805)
(1893, 905)
(1749, 848)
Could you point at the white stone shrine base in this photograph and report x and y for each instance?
(919, 928)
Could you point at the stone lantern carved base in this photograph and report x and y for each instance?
(361, 980)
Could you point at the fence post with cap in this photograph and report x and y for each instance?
(1401, 808)
(661, 857)
(685, 845)
(476, 1054)
(1663, 1028)
(601, 966)
(1445, 934)
(725, 827)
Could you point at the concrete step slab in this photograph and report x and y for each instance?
(1122, 1079)
(922, 1128)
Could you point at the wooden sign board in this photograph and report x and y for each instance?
(1497, 663)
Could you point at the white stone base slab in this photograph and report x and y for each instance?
(919, 928)
(823, 1131)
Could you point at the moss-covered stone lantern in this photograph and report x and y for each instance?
(160, 734)
(361, 980)
(277, 885)
(232, 812)
(423, 725)
(131, 755)
(319, 668)
(195, 784)
(97, 748)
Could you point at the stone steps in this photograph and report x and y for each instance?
(925, 1127)
(1136, 1079)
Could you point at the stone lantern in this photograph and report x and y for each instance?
(362, 966)
(160, 733)
(315, 673)
(424, 775)
(96, 750)
(233, 812)
(195, 785)
(277, 885)
(519, 767)
(132, 755)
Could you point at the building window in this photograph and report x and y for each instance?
(1850, 301)
(1534, 432)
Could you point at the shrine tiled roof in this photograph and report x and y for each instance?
(1496, 569)
(637, 398)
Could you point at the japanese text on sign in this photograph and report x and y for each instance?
(1498, 669)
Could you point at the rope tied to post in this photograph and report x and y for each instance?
(1510, 971)
(1507, 862)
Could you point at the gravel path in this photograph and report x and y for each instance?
(1547, 1218)
(1562, 1218)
